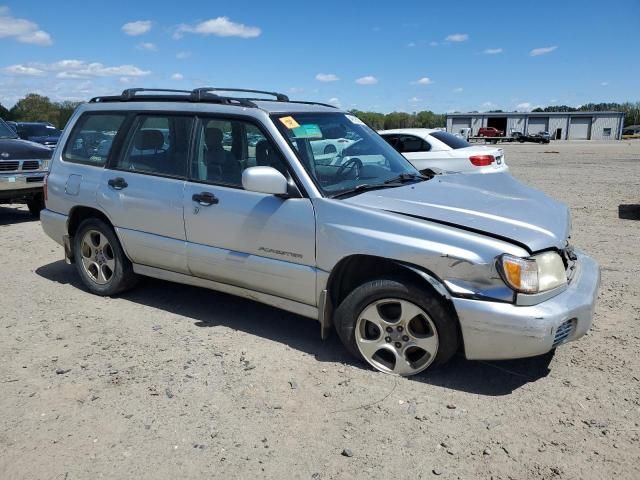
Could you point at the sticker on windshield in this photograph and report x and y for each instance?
(308, 130)
(355, 120)
(289, 122)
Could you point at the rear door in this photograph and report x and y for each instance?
(142, 190)
(251, 240)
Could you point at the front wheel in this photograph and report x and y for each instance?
(36, 205)
(396, 326)
(99, 258)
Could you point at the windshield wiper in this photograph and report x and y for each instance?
(365, 187)
(408, 177)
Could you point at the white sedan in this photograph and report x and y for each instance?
(437, 150)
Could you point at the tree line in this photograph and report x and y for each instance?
(38, 108)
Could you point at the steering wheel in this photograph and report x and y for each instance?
(352, 163)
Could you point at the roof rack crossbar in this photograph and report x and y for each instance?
(129, 93)
(280, 97)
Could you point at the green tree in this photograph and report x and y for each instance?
(5, 114)
(65, 110)
(35, 108)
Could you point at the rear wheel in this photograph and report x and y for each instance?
(396, 327)
(100, 260)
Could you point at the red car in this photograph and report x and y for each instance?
(490, 132)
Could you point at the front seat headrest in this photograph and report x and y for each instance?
(213, 138)
(149, 140)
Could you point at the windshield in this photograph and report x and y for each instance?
(451, 140)
(6, 131)
(340, 152)
(38, 130)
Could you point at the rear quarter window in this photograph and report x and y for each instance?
(451, 140)
(92, 137)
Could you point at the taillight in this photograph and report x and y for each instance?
(482, 160)
(44, 186)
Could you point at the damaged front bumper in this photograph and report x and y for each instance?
(495, 331)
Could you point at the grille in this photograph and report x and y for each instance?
(30, 165)
(8, 166)
(564, 332)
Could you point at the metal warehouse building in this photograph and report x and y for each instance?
(560, 125)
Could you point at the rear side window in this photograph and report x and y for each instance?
(159, 145)
(411, 144)
(91, 139)
(451, 140)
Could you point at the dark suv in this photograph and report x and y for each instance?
(39, 132)
(23, 165)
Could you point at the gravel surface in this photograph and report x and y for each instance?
(170, 381)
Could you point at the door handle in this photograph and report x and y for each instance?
(205, 199)
(117, 183)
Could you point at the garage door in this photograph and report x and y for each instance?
(580, 128)
(460, 123)
(538, 124)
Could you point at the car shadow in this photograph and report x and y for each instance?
(207, 308)
(13, 214)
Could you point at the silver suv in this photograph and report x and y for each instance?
(229, 193)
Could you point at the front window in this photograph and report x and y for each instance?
(341, 153)
(6, 131)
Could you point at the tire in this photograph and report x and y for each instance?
(36, 205)
(100, 261)
(384, 349)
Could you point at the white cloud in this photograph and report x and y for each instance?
(66, 69)
(23, 70)
(492, 51)
(433, 44)
(536, 52)
(457, 37)
(604, 84)
(367, 80)
(458, 90)
(139, 27)
(22, 30)
(334, 101)
(411, 44)
(488, 104)
(220, 27)
(177, 76)
(327, 77)
(523, 106)
(423, 81)
(147, 46)
(183, 55)
(415, 99)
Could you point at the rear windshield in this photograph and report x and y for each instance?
(451, 140)
(38, 130)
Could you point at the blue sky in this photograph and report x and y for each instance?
(405, 56)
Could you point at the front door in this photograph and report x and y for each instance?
(142, 190)
(251, 240)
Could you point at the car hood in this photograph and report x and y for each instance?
(17, 149)
(495, 204)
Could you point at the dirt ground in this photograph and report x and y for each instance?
(170, 381)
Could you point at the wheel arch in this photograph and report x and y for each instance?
(77, 215)
(355, 270)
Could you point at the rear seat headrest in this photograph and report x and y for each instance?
(149, 140)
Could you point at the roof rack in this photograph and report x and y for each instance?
(280, 97)
(204, 94)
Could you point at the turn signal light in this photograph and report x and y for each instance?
(482, 160)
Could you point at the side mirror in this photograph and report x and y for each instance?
(264, 180)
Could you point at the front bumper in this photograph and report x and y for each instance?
(10, 182)
(495, 331)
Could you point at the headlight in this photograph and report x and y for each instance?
(532, 275)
